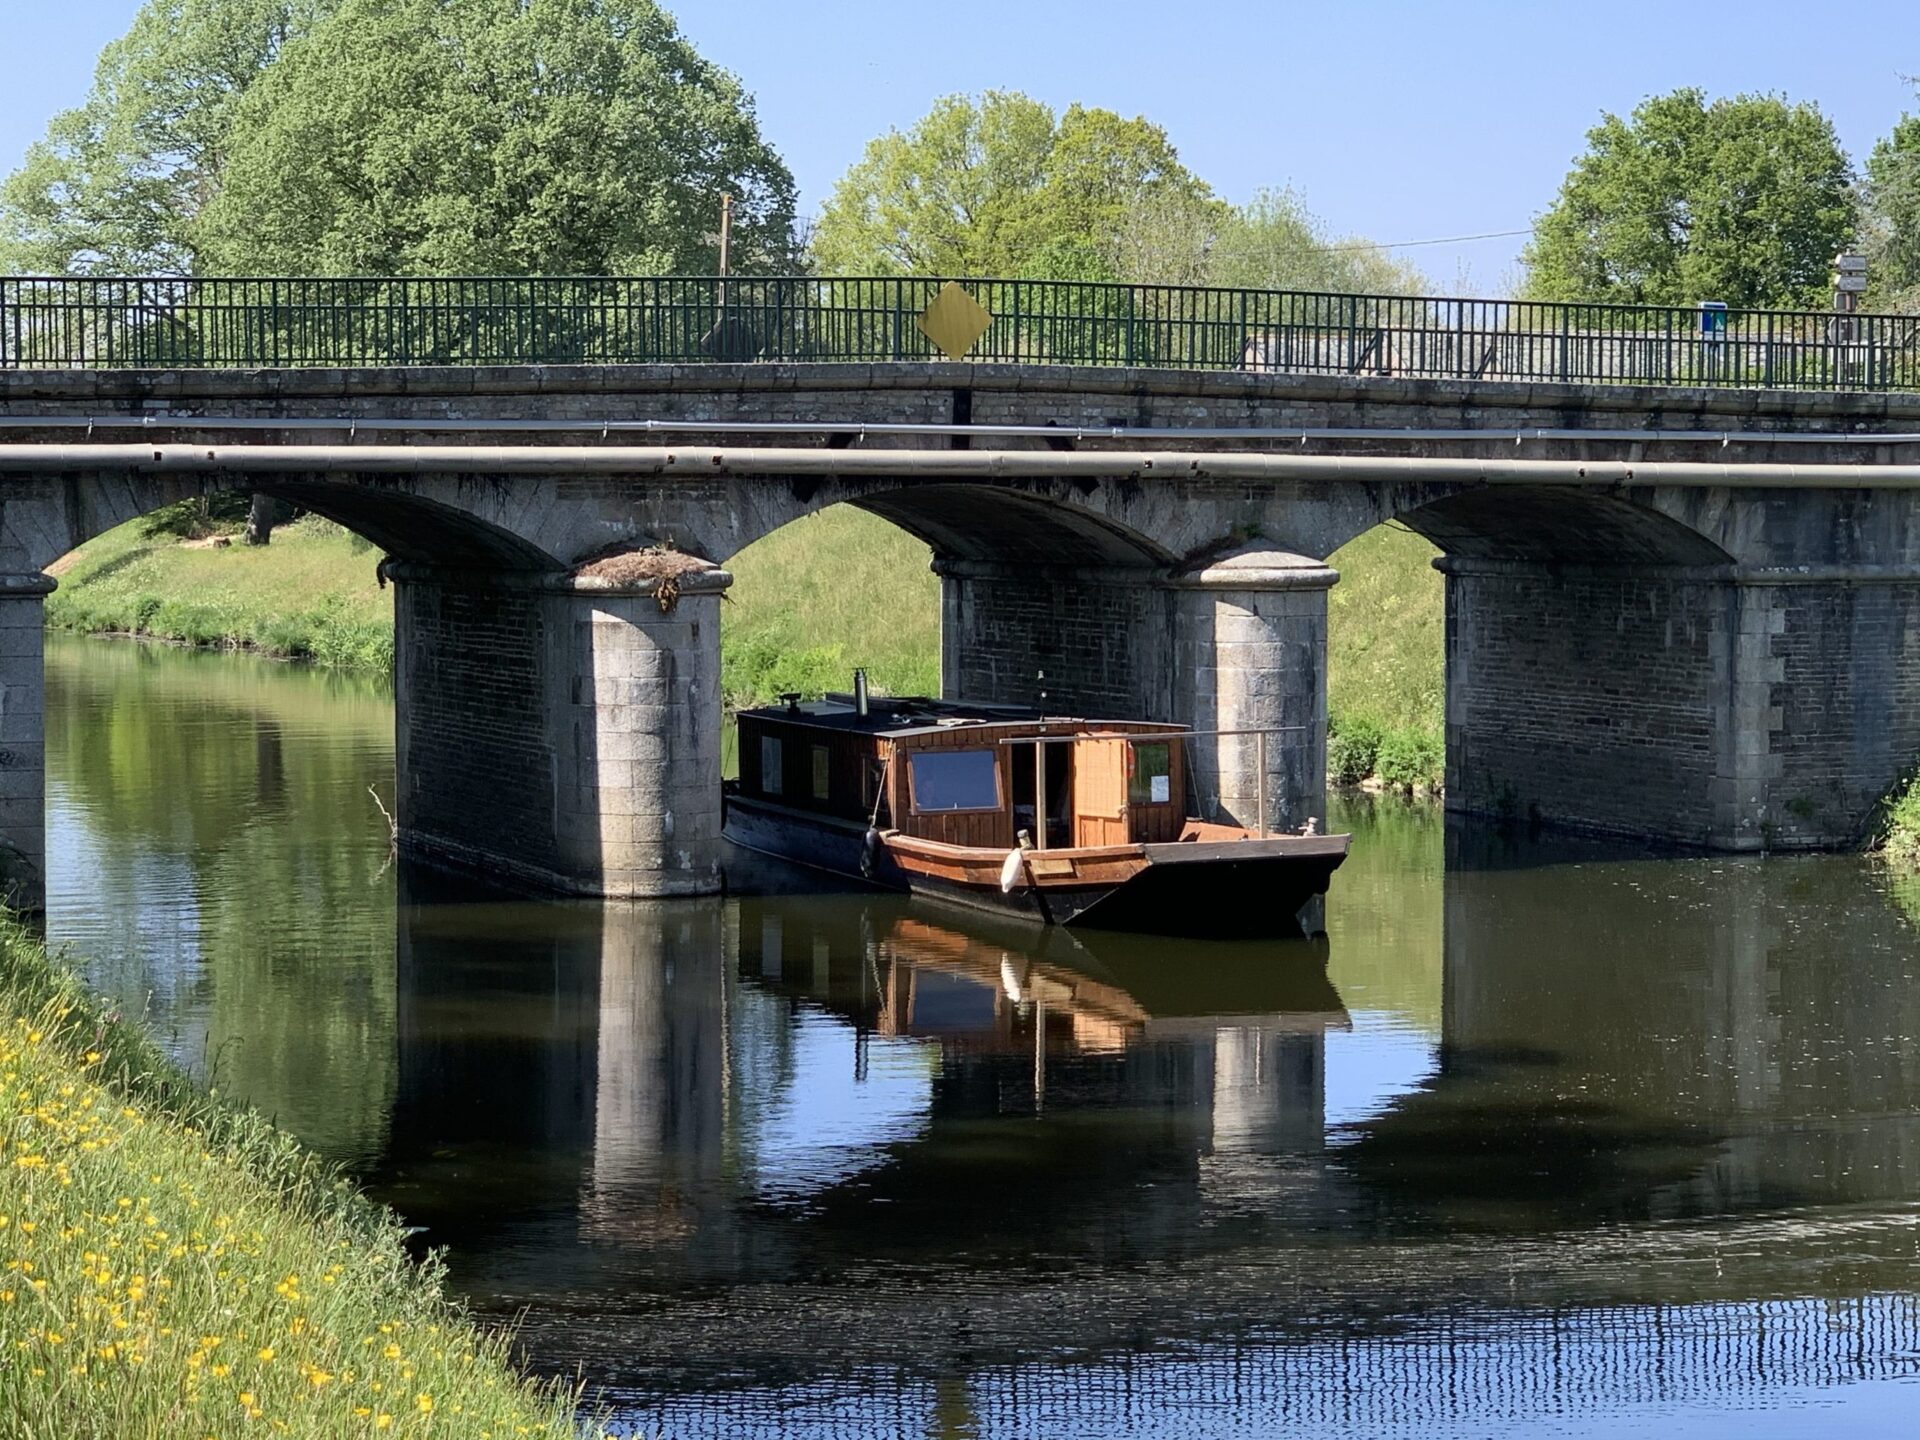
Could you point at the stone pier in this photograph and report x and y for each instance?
(23, 749)
(561, 729)
(1689, 615)
(1721, 707)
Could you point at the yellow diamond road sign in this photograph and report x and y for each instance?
(954, 321)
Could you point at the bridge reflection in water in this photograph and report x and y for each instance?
(820, 1165)
(1543, 1141)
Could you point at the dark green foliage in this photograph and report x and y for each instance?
(1743, 200)
(1893, 205)
(399, 137)
(1411, 759)
(1353, 748)
(479, 137)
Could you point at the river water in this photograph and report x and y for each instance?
(1540, 1140)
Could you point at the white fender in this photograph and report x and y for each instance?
(1010, 871)
(1011, 979)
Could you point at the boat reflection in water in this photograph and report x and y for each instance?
(806, 1165)
(1542, 1142)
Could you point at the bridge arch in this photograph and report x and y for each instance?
(1593, 645)
(1557, 526)
(1011, 521)
(422, 520)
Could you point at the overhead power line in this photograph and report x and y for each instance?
(1409, 244)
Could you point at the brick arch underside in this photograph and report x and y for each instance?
(1559, 526)
(1008, 525)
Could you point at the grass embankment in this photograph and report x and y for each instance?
(809, 602)
(311, 594)
(1386, 662)
(176, 1267)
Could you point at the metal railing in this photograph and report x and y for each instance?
(175, 322)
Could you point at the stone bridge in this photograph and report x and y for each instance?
(1690, 615)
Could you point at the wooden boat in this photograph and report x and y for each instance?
(1064, 820)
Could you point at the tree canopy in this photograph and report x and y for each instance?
(1274, 243)
(1744, 200)
(1003, 186)
(495, 136)
(399, 137)
(118, 184)
(1893, 216)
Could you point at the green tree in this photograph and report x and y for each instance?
(1893, 217)
(1744, 200)
(1274, 243)
(1003, 186)
(483, 136)
(118, 184)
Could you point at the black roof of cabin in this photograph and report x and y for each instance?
(890, 716)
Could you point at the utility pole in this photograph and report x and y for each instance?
(1849, 283)
(726, 248)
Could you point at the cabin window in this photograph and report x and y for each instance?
(1150, 774)
(820, 773)
(948, 780)
(770, 764)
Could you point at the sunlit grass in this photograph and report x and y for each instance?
(809, 602)
(311, 594)
(172, 1266)
(1386, 661)
(824, 594)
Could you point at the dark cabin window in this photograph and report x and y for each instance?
(770, 762)
(820, 772)
(1150, 776)
(949, 780)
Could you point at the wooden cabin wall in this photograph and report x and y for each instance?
(848, 752)
(986, 828)
(1102, 814)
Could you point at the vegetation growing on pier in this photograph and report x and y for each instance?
(1900, 842)
(171, 1264)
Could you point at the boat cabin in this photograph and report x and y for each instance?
(966, 774)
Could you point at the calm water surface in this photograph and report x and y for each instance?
(1538, 1141)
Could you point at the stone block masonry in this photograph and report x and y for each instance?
(560, 731)
(23, 803)
(1594, 698)
(1236, 645)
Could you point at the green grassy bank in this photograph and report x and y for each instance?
(809, 603)
(172, 1266)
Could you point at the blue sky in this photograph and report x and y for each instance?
(1397, 121)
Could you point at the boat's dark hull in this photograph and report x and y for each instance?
(1239, 890)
